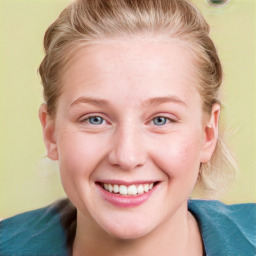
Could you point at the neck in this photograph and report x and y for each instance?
(178, 235)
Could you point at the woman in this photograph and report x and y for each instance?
(131, 114)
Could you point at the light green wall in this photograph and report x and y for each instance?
(27, 179)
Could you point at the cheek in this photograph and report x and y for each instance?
(179, 156)
(78, 154)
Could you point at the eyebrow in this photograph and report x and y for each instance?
(160, 100)
(89, 100)
(152, 101)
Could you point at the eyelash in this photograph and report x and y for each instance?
(167, 120)
(86, 119)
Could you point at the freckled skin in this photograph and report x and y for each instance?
(128, 145)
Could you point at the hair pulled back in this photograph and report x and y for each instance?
(86, 22)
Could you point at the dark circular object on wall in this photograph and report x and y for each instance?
(217, 2)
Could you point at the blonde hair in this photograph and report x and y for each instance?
(86, 22)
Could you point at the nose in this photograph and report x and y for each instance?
(128, 150)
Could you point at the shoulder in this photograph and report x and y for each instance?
(37, 232)
(226, 229)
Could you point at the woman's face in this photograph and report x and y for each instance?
(130, 116)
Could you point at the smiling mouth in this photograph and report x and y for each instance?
(130, 190)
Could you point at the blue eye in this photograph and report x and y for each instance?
(160, 120)
(95, 120)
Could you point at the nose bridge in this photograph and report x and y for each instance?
(128, 149)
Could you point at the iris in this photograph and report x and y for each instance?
(160, 120)
(95, 120)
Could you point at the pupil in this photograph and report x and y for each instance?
(95, 120)
(159, 120)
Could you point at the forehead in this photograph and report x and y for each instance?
(138, 66)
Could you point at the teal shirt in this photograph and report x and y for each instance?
(227, 230)
(33, 233)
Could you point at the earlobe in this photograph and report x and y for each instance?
(210, 134)
(48, 126)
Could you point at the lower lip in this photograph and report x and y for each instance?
(125, 201)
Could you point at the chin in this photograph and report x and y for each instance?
(130, 234)
(127, 230)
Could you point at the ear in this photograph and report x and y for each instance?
(210, 134)
(48, 126)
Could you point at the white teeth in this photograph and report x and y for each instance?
(140, 189)
(116, 189)
(146, 187)
(106, 186)
(110, 188)
(123, 190)
(131, 190)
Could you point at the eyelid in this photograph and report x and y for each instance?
(170, 117)
(86, 117)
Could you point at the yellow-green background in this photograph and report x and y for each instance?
(27, 179)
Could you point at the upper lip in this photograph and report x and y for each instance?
(127, 183)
